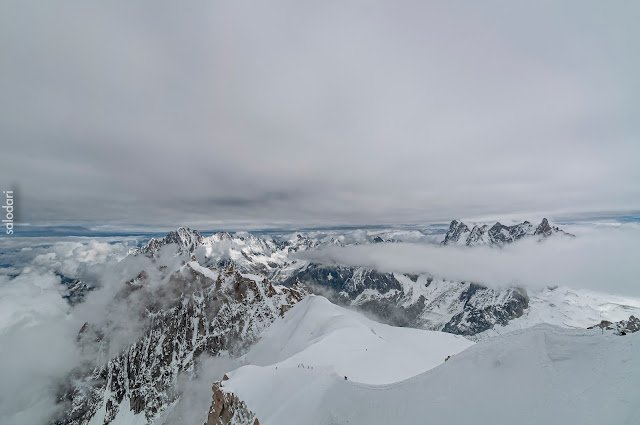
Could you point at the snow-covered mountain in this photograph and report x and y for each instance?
(195, 311)
(418, 301)
(405, 300)
(185, 239)
(322, 365)
(498, 234)
(245, 298)
(316, 343)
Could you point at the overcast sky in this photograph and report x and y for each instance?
(295, 112)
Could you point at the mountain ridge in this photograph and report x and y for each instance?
(498, 234)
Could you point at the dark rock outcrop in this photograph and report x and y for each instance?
(478, 316)
(227, 409)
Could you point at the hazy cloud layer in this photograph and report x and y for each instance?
(325, 112)
(599, 258)
(38, 328)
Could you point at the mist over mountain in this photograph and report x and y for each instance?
(135, 329)
(319, 213)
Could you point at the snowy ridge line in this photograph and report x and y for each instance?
(540, 366)
(500, 340)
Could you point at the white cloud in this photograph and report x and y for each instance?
(36, 346)
(38, 328)
(601, 258)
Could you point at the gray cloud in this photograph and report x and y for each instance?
(314, 113)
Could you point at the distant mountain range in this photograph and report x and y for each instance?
(220, 294)
(498, 234)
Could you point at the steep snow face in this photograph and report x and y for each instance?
(540, 375)
(498, 234)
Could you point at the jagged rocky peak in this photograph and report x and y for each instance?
(186, 240)
(301, 243)
(184, 237)
(498, 234)
(221, 236)
(378, 239)
(458, 232)
(544, 228)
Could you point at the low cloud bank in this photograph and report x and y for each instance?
(603, 258)
(38, 327)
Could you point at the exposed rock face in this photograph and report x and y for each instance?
(416, 301)
(498, 234)
(544, 228)
(458, 231)
(227, 409)
(627, 326)
(349, 281)
(197, 311)
(478, 314)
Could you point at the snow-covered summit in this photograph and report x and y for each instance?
(185, 239)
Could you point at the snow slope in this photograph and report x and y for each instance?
(325, 336)
(568, 308)
(542, 375)
(318, 343)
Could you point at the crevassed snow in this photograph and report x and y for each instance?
(541, 375)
